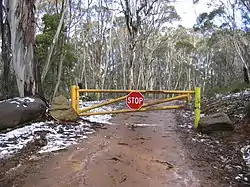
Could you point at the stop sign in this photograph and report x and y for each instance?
(134, 100)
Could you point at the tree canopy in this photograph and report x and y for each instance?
(124, 44)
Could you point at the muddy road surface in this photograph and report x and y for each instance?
(137, 150)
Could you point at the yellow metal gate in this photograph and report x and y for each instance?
(181, 95)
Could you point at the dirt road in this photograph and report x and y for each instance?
(139, 150)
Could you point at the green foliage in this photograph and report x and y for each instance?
(170, 14)
(70, 56)
(205, 21)
(51, 22)
(185, 45)
(44, 41)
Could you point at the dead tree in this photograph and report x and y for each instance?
(133, 22)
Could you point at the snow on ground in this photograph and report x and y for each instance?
(66, 135)
(59, 136)
(214, 146)
(243, 95)
(210, 142)
(239, 95)
(246, 154)
(20, 101)
(104, 119)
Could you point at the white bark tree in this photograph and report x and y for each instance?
(21, 18)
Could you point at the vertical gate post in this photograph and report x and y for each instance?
(73, 97)
(77, 99)
(197, 106)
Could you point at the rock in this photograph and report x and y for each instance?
(21, 110)
(60, 100)
(215, 122)
(62, 111)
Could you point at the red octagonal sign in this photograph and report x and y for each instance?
(134, 100)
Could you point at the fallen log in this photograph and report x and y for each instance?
(21, 110)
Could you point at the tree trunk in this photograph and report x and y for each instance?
(178, 75)
(6, 50)
(60, 68)
(246, 73)
(131, 68)
(21, 18)
(55, 39)
(245, 64)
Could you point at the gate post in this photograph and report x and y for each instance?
(77, 99)
(73, 97)
(197, 106)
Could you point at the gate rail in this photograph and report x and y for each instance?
(183, 95)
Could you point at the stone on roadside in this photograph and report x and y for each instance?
(215, 122)
(62, 111)
(21, 110)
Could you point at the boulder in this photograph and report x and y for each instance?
(62, 110)
(215, 122)
(21, 110)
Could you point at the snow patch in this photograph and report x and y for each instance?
(26, 99)
(143, 125)
(238, 95)
(20, 101)
(246, 154)
(239, 177)
(58, 136)
(17, 100)
(187, 124)
(104, 119)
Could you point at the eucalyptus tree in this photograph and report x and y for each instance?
(18, 26)
(229, 41)
(5, 51)
(54, 47)
(144, 19)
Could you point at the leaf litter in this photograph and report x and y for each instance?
(226, 155)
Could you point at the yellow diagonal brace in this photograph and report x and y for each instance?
(129, 111)
(103, 104)
(165, 100)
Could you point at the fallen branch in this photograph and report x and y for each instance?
(168, 164)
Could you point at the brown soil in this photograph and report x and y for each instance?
(121, 154)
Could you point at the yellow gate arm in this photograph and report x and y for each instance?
(75, 97)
